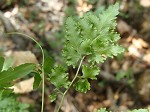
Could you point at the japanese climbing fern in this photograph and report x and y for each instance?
(90, 38)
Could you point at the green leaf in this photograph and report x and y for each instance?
(48, 64)
(82, 85)
(7, 64)
(92, 35)
(115, 50)
(85, 47)
(90, 72)
(17, 72)
(139, 110)
(108, 16)
(5, 92)
(71, 56)
(99, 10)
(37, 80)
(53, 97)
(103, 110)
(6, 85)
(73, 39)
(58, 77)
(96, 58)
(1, 63)
(9, 104)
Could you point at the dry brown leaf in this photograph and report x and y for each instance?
(126, 65)
(50, 5)
(145, 3)
(115, 66)
(139, 43)
(133, 51)
(21, 57)
(83, 7)
(123, 27)
(24, 86)
(146, 58)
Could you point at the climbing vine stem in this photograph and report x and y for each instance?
(42, 74)
(64, 94)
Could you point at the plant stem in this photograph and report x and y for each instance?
(42, 74)
(43, 90)
(63, 96)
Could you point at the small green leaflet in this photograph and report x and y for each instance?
(108, 16)
(53, 97)
(103, 110)
(37, 80)
(48, 65)
(59, 77)
(18, 72)
(90, 72)
(7, 64)
(82, 85)
(1, 63)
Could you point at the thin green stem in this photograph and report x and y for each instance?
(63, 96)
(42, 74)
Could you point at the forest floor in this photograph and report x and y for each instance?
(124, 82)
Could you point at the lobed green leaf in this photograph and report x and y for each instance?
(90, 72)
(82, 85)
(93, 36)
(53, 97)
(58, 77)
(107, 17)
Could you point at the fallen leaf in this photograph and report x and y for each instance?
(133, 51)
(123, 27)
(21, 57)
(139, 43)
(24, 86)
(146, 58)
(145, 3)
